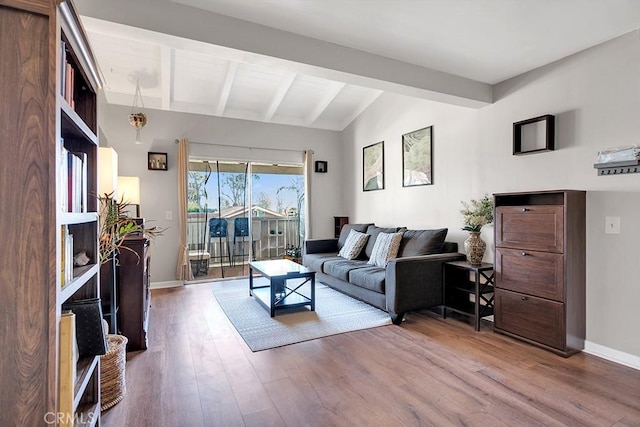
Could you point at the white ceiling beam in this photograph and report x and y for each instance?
(332, 90)
(166, 75)
(304, 55)
(232, 69)
(360, 108)
(282, 90)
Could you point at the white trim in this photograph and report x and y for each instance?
(169, 284)
(612, 355)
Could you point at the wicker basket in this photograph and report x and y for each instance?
(113, 385)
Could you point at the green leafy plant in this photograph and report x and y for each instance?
(116, 225)
(477, 213)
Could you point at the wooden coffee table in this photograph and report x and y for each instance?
(279, 294)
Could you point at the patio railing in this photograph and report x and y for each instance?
(270, 237)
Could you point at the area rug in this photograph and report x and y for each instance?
(335, 313)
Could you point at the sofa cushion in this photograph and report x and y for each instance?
(315, 261)
(373, 231)
(369, 277)
(344, 232)
(385, 248)
(422, 242)
(353, 245)
(340, 267)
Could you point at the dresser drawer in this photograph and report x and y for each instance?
(536, 273)
(533, 318)
(537, 228)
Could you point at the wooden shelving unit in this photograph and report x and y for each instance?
(36, 122)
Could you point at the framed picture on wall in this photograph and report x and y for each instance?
(417, 159)
(373, 167)
(321, 166)
(157, 161)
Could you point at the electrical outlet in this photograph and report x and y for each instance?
(612, 225)
(168, 215)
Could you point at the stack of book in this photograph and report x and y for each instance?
(73, 180)
(67, 77)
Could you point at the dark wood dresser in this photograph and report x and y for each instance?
(133, 292)
(540, 268)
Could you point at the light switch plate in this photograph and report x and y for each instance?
(612, 225)
(168, 215)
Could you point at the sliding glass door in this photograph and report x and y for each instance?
(242, 211)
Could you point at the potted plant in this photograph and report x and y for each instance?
(476, 214)
(116, 225)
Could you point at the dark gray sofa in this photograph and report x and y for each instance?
(412, 281)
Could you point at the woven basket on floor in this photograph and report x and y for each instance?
(112, 373)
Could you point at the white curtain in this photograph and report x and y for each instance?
(184, 272)
(308, 172)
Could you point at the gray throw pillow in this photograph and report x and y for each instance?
(344, 232)
(373, 232)
(422, 242)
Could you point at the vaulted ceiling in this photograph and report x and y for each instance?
(320, 63)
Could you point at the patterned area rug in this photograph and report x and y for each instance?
(335, 313)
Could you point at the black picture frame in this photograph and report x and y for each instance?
(534, 135)
(373, 167)
(157, 161)
(321, 166)
(417, 157)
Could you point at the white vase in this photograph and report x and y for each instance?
(474, 247)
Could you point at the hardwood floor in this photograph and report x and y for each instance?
(198, 371)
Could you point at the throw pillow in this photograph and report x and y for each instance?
(373, 231)
(344, 232)
(385, 248)
(422, 242)
(353, 245)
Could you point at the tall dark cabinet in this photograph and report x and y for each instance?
(540, 268)
(133, 292)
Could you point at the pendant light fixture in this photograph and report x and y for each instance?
(137, 118)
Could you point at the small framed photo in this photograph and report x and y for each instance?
(157, 161)
(321, 166)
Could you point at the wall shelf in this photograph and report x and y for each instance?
(618, 168)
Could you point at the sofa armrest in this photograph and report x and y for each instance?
(318, 246)
(415, 283)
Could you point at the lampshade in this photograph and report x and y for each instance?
(107, 171)
(129, 189)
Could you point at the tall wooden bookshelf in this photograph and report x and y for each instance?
(38, 118)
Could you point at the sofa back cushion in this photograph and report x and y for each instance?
(385, 248)
(373, 232)
(422, 242)
(353, 245)
(344, 232)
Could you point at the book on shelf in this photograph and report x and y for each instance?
(90, 332)
(68, 357)
(69, 82)
(66, 255)
(73, 180)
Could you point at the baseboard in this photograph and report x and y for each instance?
(169, 284)
(612, 355)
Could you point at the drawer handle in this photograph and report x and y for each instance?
(525, 210)
(524, 298)
(525, 254)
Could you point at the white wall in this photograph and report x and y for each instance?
(595, 96)
(159, 189)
